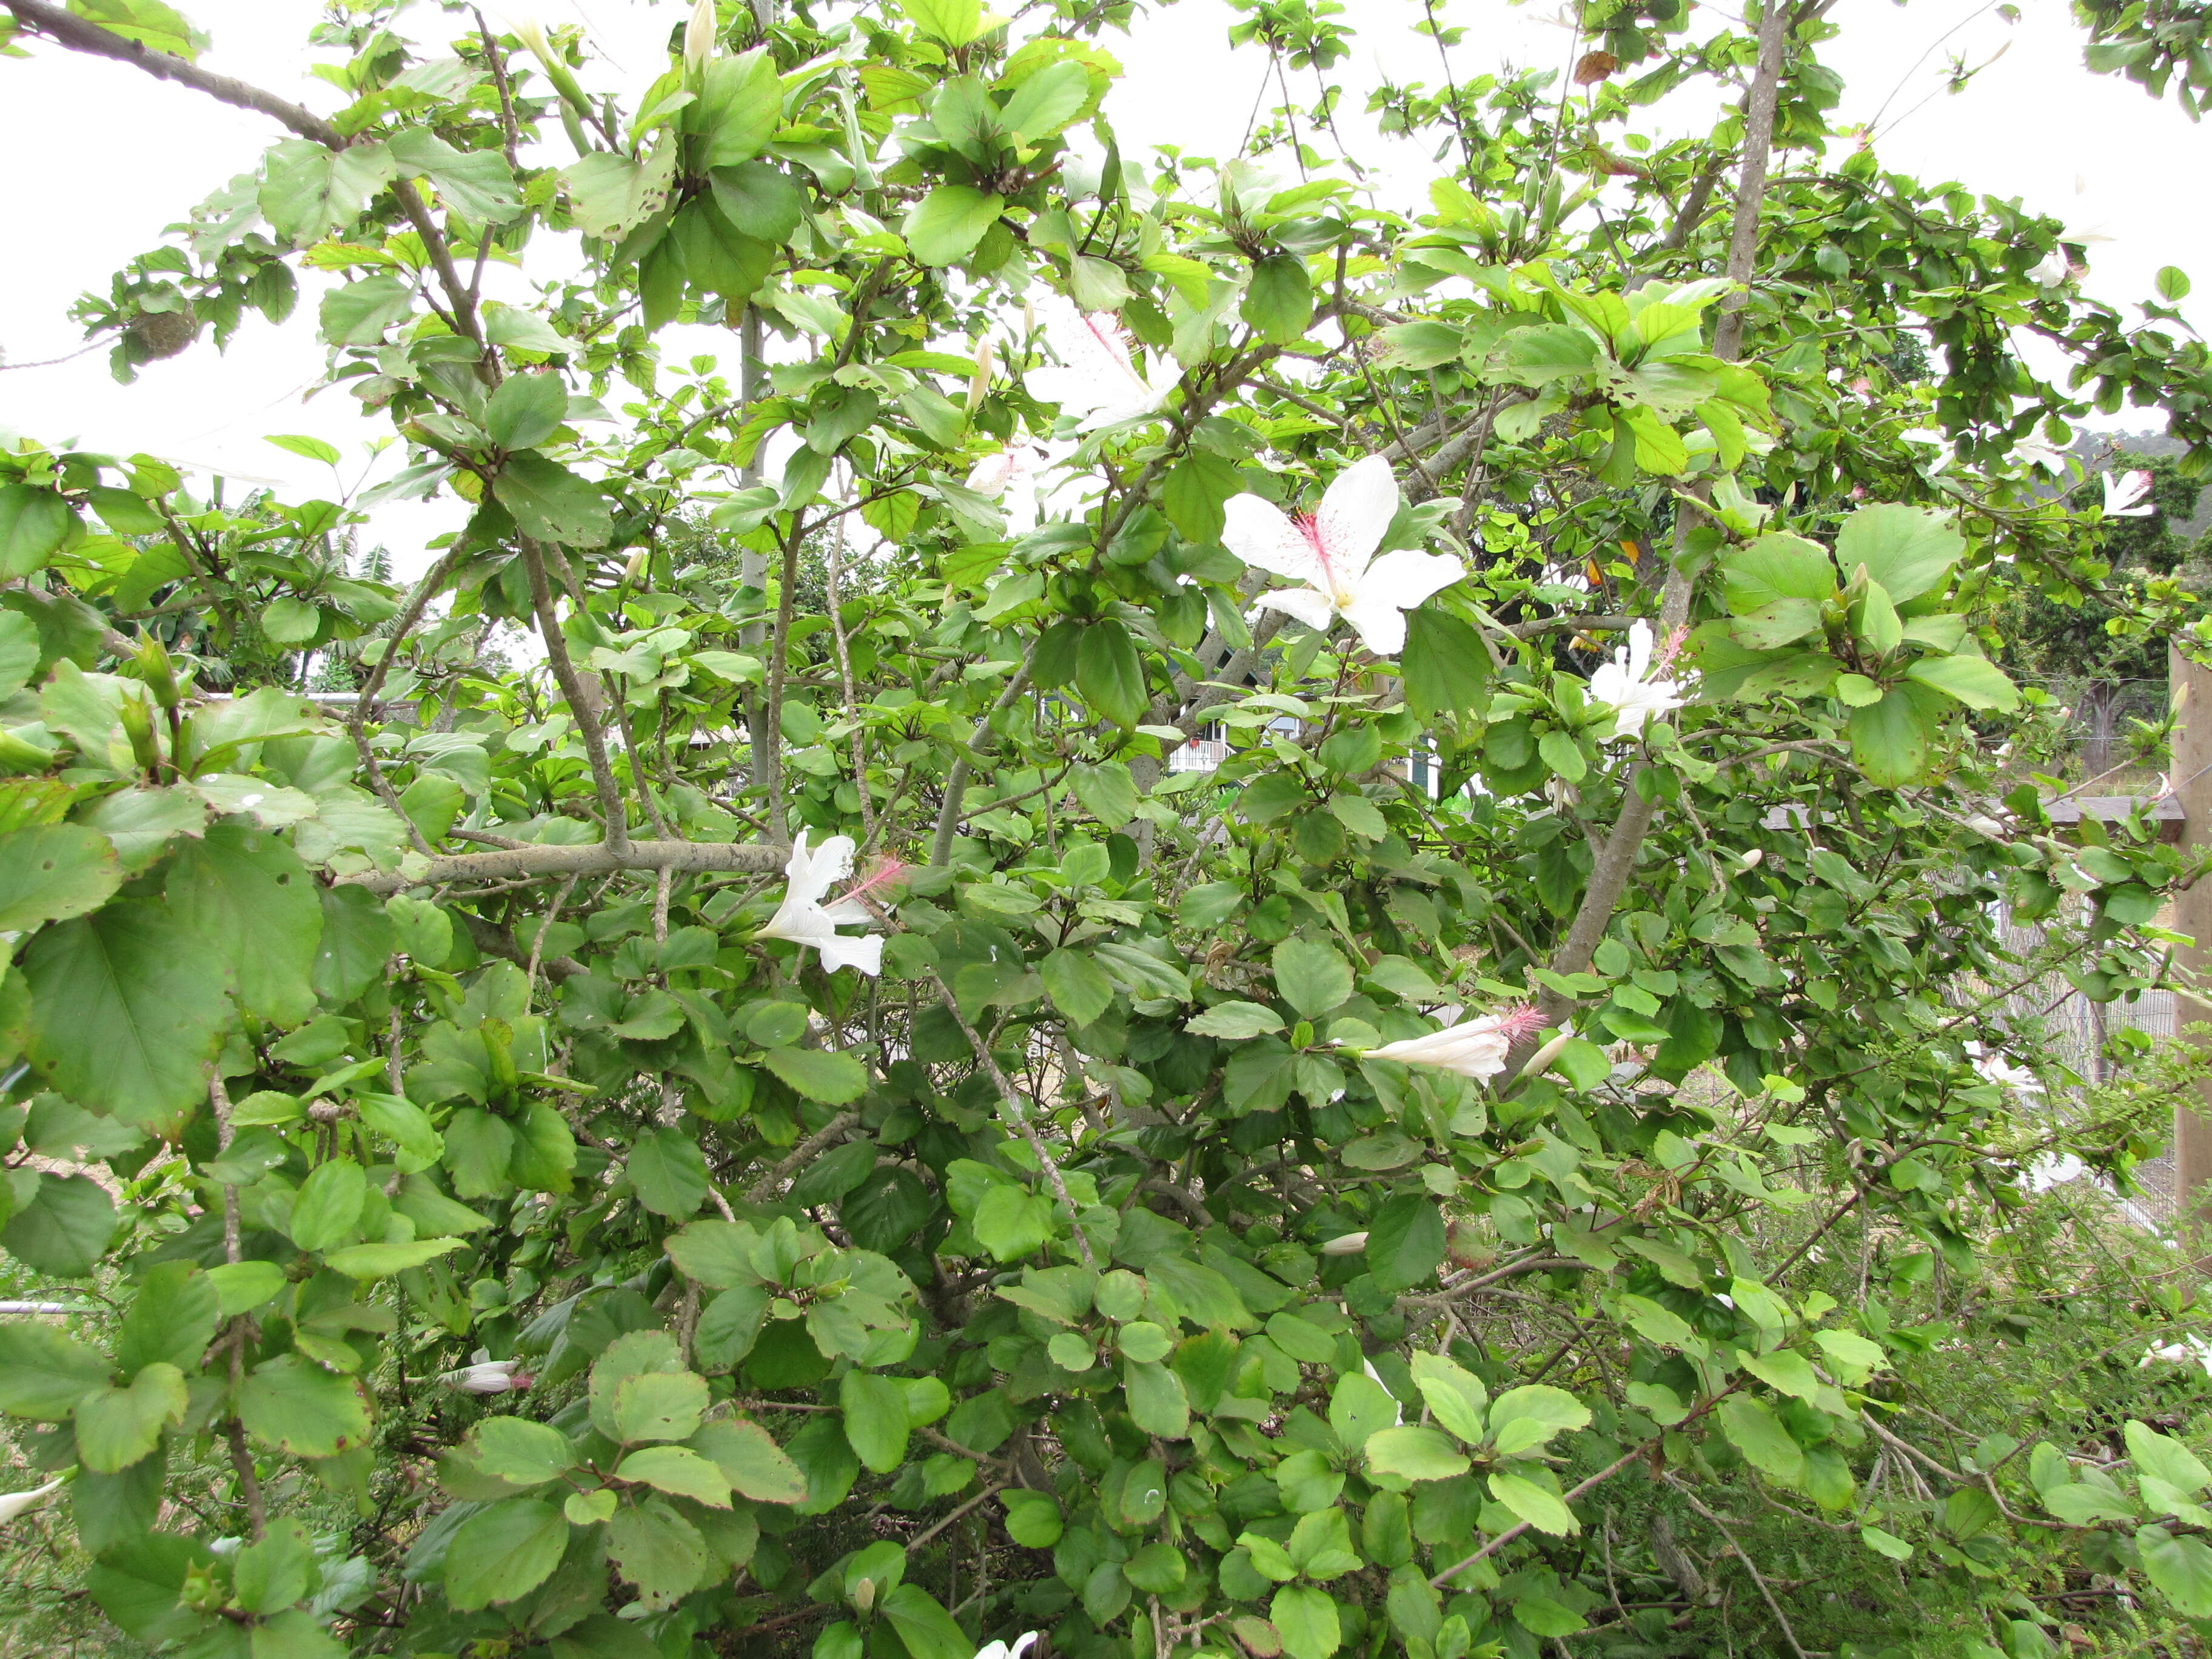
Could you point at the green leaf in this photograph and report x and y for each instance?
(355, 944)
(678, 1471)
(1033, 1519)
(116, 1427)
(1415, 1453)
(137, 1580)
(309, 190)
(761, 201)
(173, 1319)
(1141, 972)
(1540, 354)
(503, 1553)
(551, 503)
(1106, 791)
(1527, 1416)
(52, 872)
(34, 525)
(669, 1172)
(1360, 1407)
(1975, 681)
(956, 22)
(926, 1628)
(124, 1012)
(527, 409)
(1447, 669)
(243, 1286)
(740, 106)
(1885, 1543)
(834, 1174)
(359, 313)
(255, 907)
(1078, 986)
(1311, 976)
(522, 331)
(151, 24)
(2180, 1569)
(1890, 738)
(832, 1077)
(1908, 549)
(1306, 1619)
(302, 1409)
(658, 1405)
(287, 621)
(42, 1373)
(1012, 1221)
(382, 1260)
(945, 226)
(1539, 1506)
(476, 184)
(1110, 674)
(1405, 1242)
(2173, 284)
(1541, 1616)
(609, 195)
(1235, 1021)
(1047, 101)
(276, 1573)
(1456, 1397)
(1778, 568)
(330, 1204)
(756, 1465)
(875, 1420)
(1755, 1431)
(1278, 301)
(65, 1228)
(1419, 345)
(1158, 1403)
(403, 1123)
(1194, 492)
(519, 1451)
(659, 1551)
(2165, 1458)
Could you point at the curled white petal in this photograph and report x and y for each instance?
(22, 1502)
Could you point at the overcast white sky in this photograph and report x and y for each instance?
(106, 157)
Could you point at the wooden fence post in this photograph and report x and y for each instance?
(2192, 914)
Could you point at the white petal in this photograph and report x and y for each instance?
(1354, 513)
(1258, 532)
(991, 474)
(1381, 625)
(1639, 648)
(864, 953)
(1309, 605)
(1407, 577)
(1092, 344)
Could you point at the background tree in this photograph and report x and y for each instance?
(786, 1122)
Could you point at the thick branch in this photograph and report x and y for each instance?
(598, 858)
(70, 30)
(956, 781)
(1751, 186)
(1616, 862)
(612, 807)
